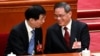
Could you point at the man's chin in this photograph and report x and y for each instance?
(60, 24)
(38, 26)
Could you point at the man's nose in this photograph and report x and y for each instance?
(43, 21)
(58, 18)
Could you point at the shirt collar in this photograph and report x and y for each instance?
(68, 25)
(29, 29)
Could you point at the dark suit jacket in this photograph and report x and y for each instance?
(55, 42)
(18, 40)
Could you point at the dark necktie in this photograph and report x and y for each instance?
(31, 43)
(66, 36)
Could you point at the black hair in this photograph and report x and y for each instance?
(34, 12)
(65, 5)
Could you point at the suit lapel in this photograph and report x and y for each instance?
(36, 36)
(25, 33)
(59, 32)
(73, 32)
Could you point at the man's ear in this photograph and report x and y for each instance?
(31, 20)
(70, 13)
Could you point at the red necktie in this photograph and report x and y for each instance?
(66, 36)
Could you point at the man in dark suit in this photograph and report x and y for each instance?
(20, 36)
(78, 32)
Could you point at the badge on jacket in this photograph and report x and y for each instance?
(39, 47)
(76, 44)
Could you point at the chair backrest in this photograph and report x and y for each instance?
(3, 43)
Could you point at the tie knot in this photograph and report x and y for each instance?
(65, 28)
(33, 31)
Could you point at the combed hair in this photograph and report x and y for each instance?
(65, 5)
(34, 12)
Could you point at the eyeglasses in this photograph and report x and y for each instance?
(60, 16)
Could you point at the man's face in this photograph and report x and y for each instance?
(38, 23)
(62, 17)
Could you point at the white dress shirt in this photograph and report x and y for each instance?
(29, 29)
(68, 26)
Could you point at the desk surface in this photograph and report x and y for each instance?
(66, 54)
(62, 54)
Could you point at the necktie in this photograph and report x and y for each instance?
(66, 36)
(31, 43)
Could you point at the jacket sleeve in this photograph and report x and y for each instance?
(15, 44)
